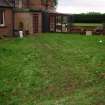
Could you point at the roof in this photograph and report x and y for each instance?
(5, 3)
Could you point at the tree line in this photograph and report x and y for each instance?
(89, 18)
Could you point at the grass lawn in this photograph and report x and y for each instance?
(52, 69)
(87, 24)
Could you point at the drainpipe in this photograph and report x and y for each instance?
(13, 2)
(41, 4)
(46, 5)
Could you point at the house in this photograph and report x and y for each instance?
(31, 16)
(6, 18)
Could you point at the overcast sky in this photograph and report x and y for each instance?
(81, 6)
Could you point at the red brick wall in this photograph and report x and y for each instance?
(35, 4)
(27, 19)
(8, 28)
(38, 4)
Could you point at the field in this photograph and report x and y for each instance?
(52, 69)
(88, 24)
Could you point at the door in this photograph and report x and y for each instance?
(52, 23)
(35, 23)
(58, 23)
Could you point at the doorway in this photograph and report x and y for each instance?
(35, 23)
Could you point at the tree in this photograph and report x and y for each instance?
(55, 2)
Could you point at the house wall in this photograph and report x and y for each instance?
(8, 28)
(35, 3)
(38, 4)
(27, 19)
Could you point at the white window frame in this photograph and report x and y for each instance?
(1, 25)
(20, 3)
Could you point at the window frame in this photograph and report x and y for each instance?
(20, 3)
(3, 18)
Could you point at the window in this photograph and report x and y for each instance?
(1, 18)
(52, 23)
(58, 23)
(20, 3)
(64, 23)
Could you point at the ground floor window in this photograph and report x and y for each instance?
(58, 23)
(1, 18)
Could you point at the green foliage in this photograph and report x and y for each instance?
(52, 69)
(103, 25)
(54, 1)
(89, 18)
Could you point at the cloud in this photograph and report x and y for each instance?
(78, 6)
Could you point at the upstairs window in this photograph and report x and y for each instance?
(2, 18)
(20, 3)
